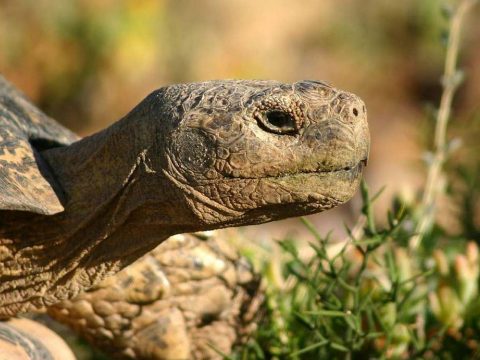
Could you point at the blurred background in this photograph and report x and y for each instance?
(88, 62)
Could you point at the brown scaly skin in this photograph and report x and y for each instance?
(189, 157)
(180, 301)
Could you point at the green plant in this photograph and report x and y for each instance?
(405, 290)
(373, 298)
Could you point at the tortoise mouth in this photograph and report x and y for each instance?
(350, 170)
(356, 168)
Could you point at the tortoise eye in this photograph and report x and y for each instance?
(278, 122)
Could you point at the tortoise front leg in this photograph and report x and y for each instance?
(187, 299)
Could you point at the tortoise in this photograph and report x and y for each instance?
(190, 157)
(193, 297)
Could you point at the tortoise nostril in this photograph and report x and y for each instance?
(355, 111)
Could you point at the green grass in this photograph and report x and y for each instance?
(375, 298)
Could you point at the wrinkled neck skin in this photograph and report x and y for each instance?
(44, 259)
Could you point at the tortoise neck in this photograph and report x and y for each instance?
(48, 258)
(94, 170)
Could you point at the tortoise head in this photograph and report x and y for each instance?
(248, 152)
(189, 157)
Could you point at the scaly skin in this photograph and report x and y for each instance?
(188, 158)
(182, 300)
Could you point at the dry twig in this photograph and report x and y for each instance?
(451, 79)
